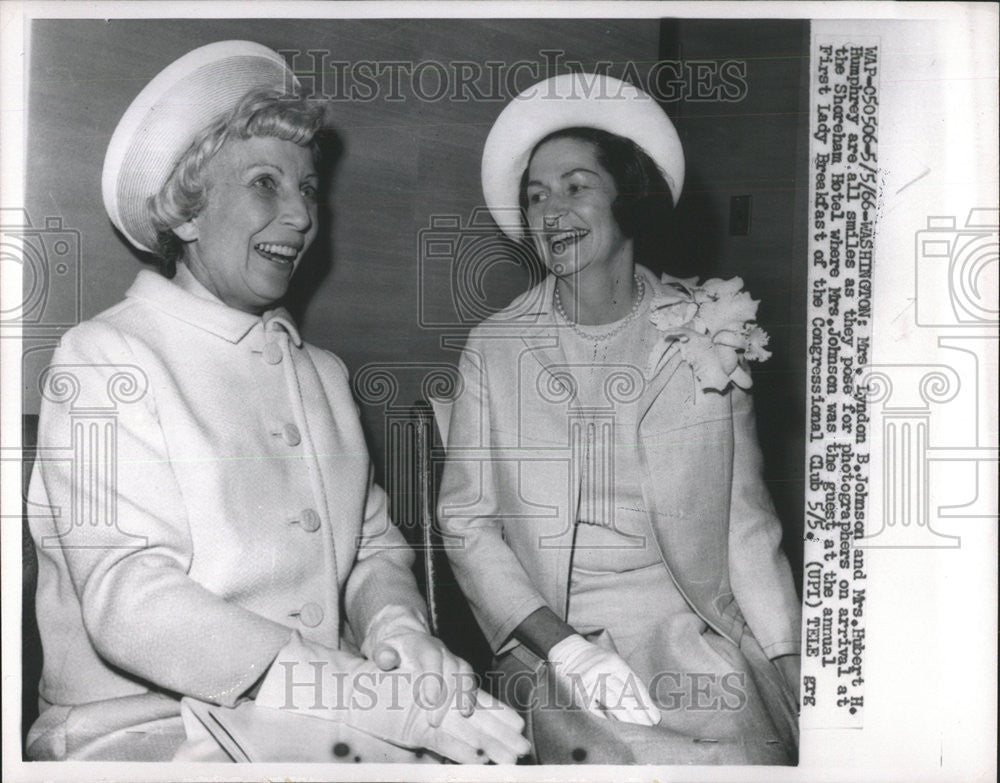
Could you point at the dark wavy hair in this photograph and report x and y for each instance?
(644, 205)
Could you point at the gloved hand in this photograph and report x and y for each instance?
(605, 682)
(314, 680)
(398, 638)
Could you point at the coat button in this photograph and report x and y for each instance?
(290, 434)
(272, 353)
(310, 521)
(310, 615)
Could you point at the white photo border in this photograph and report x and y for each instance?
(930, 691)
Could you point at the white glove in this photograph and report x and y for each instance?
(314, 680)
(398, 638)
(604, 683)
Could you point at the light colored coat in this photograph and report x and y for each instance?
(202, 489)
(510, 493)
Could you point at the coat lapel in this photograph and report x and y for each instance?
(667, 376)
(540, 331)
(545, 346)
(541, 336)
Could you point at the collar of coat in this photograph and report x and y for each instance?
(185, 299)
(532, 305)
(531, 316)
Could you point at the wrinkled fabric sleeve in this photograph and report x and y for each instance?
(499, 590)
(139, 607)
(758, 569)
(382, 574)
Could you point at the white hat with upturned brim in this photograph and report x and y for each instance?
(164, 119)
(567, 101)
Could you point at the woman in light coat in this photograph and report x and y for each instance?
(217, 533)
(603, 500)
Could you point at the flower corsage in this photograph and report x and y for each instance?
(713, 326)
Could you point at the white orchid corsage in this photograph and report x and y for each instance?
(713, 326)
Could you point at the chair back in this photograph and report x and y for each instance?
(450, 617)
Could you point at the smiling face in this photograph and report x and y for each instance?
(258, 220)
(569, 196)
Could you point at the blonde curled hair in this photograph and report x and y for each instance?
(267, 113)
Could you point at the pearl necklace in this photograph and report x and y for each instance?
(640, 294)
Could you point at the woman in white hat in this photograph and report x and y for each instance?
(603, 492)
(217, 534)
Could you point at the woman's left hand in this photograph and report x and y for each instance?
(398, 639)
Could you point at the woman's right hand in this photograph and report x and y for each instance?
(602, 682)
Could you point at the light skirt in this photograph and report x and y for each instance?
(721, 703)
(144, 727)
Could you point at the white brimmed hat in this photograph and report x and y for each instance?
(566, 101)
(160, 124)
